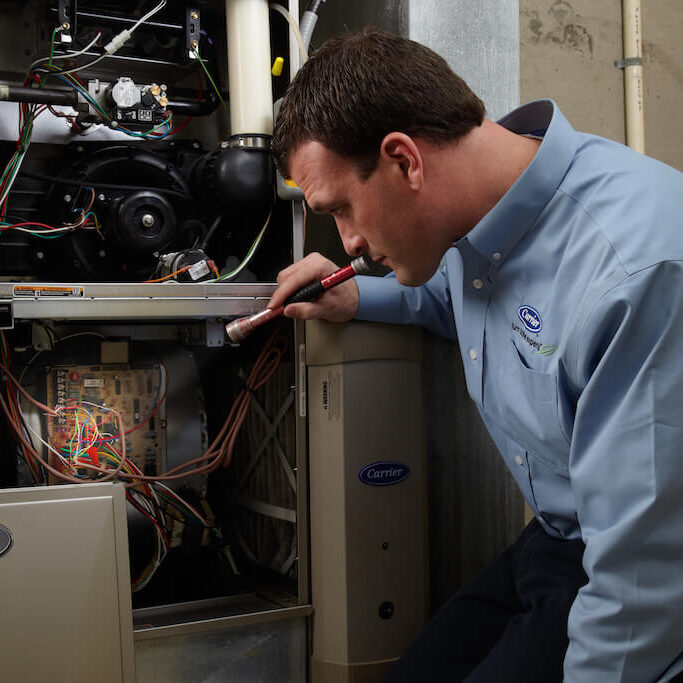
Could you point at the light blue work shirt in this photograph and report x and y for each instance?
(567, 299)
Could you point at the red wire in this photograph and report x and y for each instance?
(21, 225)
(156, 408)
(181, 126)
(151, 519)
(200, 93)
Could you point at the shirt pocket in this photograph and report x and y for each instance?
(532, 412)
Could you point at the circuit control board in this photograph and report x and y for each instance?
(134, 392)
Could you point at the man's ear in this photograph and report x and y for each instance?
(401, 151)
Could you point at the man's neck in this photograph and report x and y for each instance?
(486, 163)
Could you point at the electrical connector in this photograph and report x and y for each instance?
(117, 41)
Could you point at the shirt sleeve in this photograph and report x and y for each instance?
(626, 470)
(384, 299)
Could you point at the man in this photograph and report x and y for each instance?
(558, 259)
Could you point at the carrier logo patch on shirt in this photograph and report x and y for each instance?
(530, 317)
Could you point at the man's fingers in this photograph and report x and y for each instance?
(303, 272)
(304, 311)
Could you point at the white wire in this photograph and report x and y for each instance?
(148, 15)
(22, 156)
(97, 405)
(161, 552)
(295, 28)
(69, 54)
(76, 68)
(53, 230)
(124, 34)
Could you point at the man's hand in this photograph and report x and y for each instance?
(338, 304)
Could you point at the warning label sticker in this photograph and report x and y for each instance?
(45, 290)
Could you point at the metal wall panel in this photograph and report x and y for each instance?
(480, 42)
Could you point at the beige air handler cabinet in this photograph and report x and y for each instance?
(154, 478)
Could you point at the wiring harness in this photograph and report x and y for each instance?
(92, 455)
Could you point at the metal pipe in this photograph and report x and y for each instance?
(15, 93)
(633, 75)
(184, 106)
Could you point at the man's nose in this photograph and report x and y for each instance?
(354, 244)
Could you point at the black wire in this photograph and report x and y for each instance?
(106, 186)
(157, 513)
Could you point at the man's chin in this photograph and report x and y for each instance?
(411, 279)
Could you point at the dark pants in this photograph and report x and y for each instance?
(507, 624)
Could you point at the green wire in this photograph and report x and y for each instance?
(208, 75)
(70, 80)
(52, 43)
(166, 121)
(250, 253)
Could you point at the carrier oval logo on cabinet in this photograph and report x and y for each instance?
(5, 540)
(384, 473)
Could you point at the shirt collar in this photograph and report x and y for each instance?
(497, 233)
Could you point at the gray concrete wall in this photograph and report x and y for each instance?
(567, 52)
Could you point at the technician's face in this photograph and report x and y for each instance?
(374, 216)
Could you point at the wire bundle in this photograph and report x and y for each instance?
(38, 73)
(9, 396)
(91, 455)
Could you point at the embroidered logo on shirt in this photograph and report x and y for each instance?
(541, 349)
(531, 318)
(547, 349)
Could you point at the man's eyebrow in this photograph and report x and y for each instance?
(318, 207)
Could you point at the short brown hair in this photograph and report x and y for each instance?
(360, 86)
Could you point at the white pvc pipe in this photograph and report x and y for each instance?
(633, 76)
(249, 64)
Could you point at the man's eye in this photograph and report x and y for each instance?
(337, 212)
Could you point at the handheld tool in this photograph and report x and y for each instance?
(237, 330)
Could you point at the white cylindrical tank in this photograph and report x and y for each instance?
(249, 64)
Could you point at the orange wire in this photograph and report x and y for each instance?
(219, 452)
(167, 277)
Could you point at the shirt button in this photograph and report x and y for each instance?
(519, 460)
(477, 283)
(473, 354)
(496, 256)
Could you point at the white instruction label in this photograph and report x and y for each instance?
(199, 269)
(93, 382)
(331, 396)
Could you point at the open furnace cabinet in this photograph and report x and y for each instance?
(151, 164)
